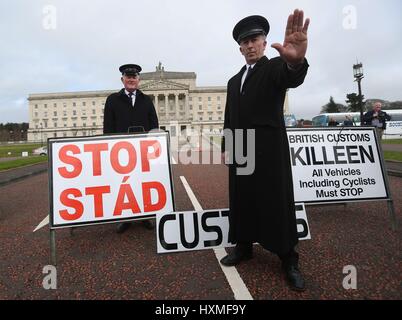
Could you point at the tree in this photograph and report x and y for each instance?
(353, 102)
(333, 107)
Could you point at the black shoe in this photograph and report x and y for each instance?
(121, 227)
(148, 224)
(240, 253)
(294, 278)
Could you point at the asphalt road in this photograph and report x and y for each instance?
(97, 263)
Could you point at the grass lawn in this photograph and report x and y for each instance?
(393, 141)
(393, 155)
(17, 149)
(22, 162)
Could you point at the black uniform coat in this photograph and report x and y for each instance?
(262, 204)
(383, 117)
(120, 114)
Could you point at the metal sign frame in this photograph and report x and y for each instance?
(52, 141)
(388, 197)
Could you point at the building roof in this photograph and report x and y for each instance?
(160, 73)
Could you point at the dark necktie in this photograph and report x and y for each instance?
(249, 70)
(130, 95)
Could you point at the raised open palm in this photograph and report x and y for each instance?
(294, 46)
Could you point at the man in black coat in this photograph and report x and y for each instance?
(377, 118)
(262, 203)
(129, 110)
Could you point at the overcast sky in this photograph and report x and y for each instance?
(71, 45)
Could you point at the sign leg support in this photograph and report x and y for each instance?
(53, 260)
(391, 211)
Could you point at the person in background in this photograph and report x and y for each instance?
(377, 118)
(348, 121)
(332, 122)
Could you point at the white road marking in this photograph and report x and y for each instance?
(42, 224)
(173, 160)
(236, 283)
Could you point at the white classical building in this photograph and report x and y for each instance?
(182, 107)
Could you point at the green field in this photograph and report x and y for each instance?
(16, 150)
(396, 141)
(22, 162)
(393, 155)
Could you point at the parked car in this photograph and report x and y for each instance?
(42, 151)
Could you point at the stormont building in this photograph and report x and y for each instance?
(183, 108)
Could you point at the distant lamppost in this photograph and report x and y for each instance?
(358, 74)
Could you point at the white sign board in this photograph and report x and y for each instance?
(303, 229)
(336, 165)
(107, 179)
(187, 231)
(199, 230)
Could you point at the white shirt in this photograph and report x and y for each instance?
(243, 78)
(132, 97)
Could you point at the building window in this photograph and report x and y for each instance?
(65, 125)
(94, 124)
(219, 106)
(200, 118)
(209, 98)
(218, 98)
(219, 118)
(55, 124)
(64, 105)
(93, 111)
(36, 114)
(64, 134)
(200, 107)
(74, 113)
(74, 125)
(74, 104)
(54, 105)
(36, 106)
(199, 99)
(191, 107)
(55, 113)
(93, 103)
(210, 118)
(83, 103)
(45, 124)
(45, 105)
(84, 124)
